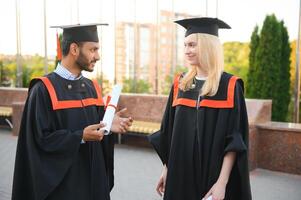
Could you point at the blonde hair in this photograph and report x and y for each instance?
(211, 59)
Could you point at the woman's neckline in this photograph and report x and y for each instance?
(200, 78)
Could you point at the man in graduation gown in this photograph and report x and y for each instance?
(61, 153)
(198, 131)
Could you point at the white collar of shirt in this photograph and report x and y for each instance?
(65, 73)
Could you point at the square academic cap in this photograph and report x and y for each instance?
(202, 25)
(80, 32)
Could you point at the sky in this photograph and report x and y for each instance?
(241, 15)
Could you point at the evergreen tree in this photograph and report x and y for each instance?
(284, 83)
(252, 78)
(268, 57)
(269, 71)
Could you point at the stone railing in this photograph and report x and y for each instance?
(14, 98)
(272, 145)
(279, 146)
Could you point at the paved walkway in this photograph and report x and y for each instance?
(137, 171)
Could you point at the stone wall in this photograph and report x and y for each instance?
(15, 98)
(279, 147)
(144, 107)
(272, 145)
(10, 95)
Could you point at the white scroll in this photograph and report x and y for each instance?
(209, 198)
(111, 109)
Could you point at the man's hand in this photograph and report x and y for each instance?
(92, 132)
(121, 124)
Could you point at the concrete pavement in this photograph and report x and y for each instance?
(137, 170)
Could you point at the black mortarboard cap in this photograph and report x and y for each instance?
(202, 25)
(80, 32)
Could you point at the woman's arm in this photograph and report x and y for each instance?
(228, 163)
(219, 188)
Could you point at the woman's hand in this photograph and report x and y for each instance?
(217, 191)
(161, 183)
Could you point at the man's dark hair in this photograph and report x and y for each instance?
(66, 46)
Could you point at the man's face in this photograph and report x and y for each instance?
(88, 55)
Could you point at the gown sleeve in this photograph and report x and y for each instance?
(237, 141)
(45, 151)
(47, 137)
(108, 144)
(108, 151)
(237, 133)
(161, 139)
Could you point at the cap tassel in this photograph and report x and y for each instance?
(58, 48)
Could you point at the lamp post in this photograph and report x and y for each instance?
(297, 84)
(157, 48)
(19, 67)
(115, 44)
(45, 41)
(136, 40)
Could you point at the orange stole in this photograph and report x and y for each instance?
(64, 104)
(228, 103)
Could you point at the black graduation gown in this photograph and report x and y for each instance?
(194, 137)
(51, 163)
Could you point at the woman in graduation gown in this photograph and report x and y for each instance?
(203, 140)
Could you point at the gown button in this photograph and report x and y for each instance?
(69, 86)
(83, 85)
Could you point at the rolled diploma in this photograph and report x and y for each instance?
(209, 198)
(111, 109)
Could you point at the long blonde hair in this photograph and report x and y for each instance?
(211, 59)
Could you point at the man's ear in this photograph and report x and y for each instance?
(74, 49)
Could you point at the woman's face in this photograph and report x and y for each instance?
(191, 49)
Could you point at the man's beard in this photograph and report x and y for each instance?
(83, 62)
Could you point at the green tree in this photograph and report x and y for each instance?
(168, 80)
(293, 46)
(236, 58)
(4, 76)
(34, 67)
(269, 73)
(290, 115)
(138, 86)
(10, 71)
(1, 71)
(106, 86)
(252, 84)
(26, 74)
(268, 57)
(284, 83)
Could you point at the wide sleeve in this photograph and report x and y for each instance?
(238, 129)
(237, 141)
(44, 150)
(161, 140)
(108, 151)
(41, 120)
